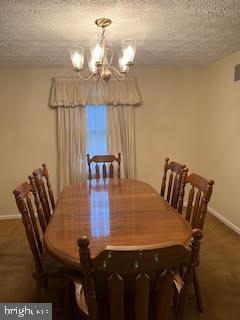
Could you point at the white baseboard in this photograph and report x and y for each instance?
(10, 216)
(13, 216)
(221, 218)
(224, 220)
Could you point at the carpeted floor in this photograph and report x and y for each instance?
(219, 271)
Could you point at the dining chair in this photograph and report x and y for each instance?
(42, 181)
(135, 282)
(195, 213)
(104, 159)
(173, 183)
(45, 267)
(198, 199)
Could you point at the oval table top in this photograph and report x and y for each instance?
(111, 212)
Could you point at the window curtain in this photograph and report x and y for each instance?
(121, 137)
(70, 96)
(73, 92)
(71, 145)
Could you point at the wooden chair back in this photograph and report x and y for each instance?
(42, 180)
(104, 159)
(24, 203)
(38, 205)
(198, 198)
(140, 264)
(173, 184)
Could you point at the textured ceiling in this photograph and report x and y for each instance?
(169, 32)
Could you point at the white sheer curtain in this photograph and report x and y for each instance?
(71, 145)
(70, 96)
(121, 137)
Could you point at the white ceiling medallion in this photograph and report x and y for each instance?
(101, 56)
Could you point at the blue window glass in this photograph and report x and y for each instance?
(96, 129)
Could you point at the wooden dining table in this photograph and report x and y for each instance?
(116, 212)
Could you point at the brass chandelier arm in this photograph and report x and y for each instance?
(119, 75)
(85, 78)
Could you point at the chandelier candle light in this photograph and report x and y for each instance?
(101, 56)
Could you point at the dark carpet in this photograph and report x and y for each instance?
(219, 272)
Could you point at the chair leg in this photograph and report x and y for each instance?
(68, 301)
(45, 283)
(181, 301)
(175, 299)
(197, 291)
(38, 291)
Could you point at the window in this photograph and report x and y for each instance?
(96, 130)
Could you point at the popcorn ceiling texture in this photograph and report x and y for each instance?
(169, 32)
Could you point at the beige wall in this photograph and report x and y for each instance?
(28, 125)
(190, 115)
(221, 136)
(27, 130)
(166, 123)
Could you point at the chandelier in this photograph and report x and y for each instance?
(101, 56)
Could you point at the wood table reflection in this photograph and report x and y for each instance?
(111, 212)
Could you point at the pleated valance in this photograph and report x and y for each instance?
(73, 92)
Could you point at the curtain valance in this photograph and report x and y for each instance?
(73, 92)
